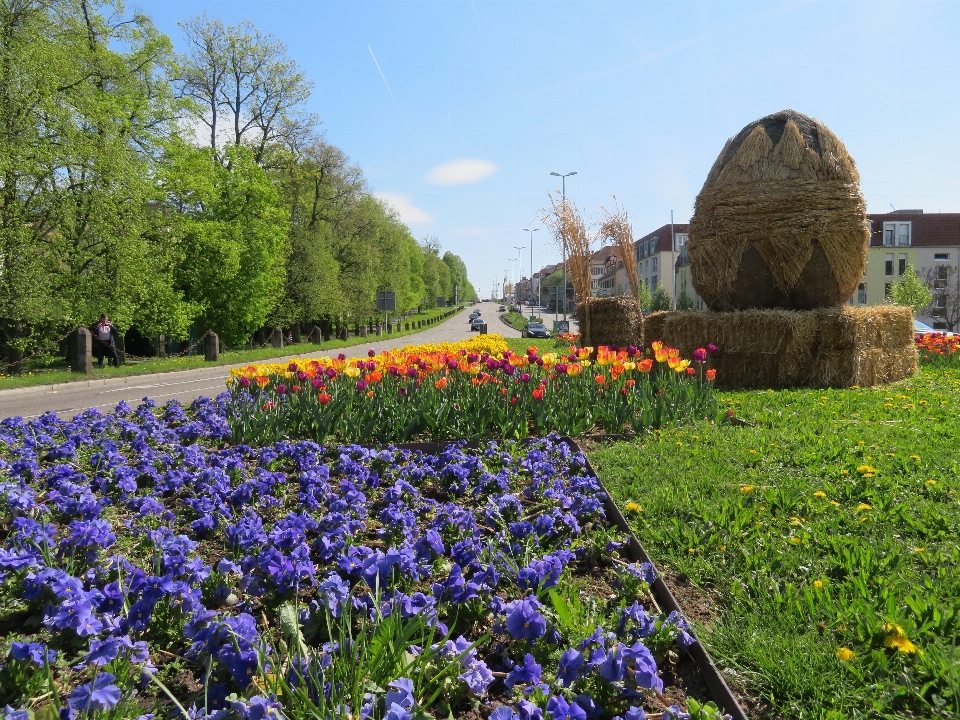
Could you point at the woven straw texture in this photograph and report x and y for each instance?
(780, 221)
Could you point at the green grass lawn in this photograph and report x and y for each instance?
(822, 538)
(516, 320)
(48, 374)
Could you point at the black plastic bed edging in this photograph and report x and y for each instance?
(719, 690)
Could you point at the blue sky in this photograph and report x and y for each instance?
(484, 98)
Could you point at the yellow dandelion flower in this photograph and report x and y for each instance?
(633, 507)
(931, 482)
(818, 584)
(914, 457)
(845, 654)
(864, 506)
(835, 503)
(746, 489)
(753, 452)
(795, 540)
(820, 494)
(691, 550)
(900, 643)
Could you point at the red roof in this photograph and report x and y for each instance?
(663, 236)
(933, 229)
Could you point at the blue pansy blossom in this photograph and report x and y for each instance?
(560, 709)
(101, 694)
(524, 621)
(524, 674)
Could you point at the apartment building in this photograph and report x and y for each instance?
(928, 241)
(657, 255)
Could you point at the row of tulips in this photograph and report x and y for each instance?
(939, 349)
(405, 395)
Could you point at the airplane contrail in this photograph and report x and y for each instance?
(387, 84)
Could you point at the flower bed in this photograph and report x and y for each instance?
(149, 568)
(401, 395)
(938, 349)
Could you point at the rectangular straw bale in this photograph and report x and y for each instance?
(883, 326)
(612, 321)
(782, 348)
(653, 326)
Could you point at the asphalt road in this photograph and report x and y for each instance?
(67, 399)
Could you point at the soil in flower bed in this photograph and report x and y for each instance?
(148, 566)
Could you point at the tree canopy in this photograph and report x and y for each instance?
(111, 201)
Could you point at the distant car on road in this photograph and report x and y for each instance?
(476, 323)
(502, 308)
(535, 330)
(920, 329)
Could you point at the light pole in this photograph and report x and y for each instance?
(563, 181)
(519, 250)
(531, 269)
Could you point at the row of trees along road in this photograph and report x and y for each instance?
(177, 191)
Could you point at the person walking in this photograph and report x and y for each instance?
(104, 333)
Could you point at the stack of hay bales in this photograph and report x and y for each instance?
(827, 347)
(610, 321)
(777, 245)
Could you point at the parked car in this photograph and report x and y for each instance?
(535, 330)
(502, 308)
(476, 323)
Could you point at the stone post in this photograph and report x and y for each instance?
(121, 349)
(161, 345)
(276, 338)
(81, 356)
(296, 332)
(211, 347)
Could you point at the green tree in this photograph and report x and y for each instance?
(645, 299)
(233, 234)
(684, 302)
(81, 125)
(911, 291)
(245, 88)
(660, 300)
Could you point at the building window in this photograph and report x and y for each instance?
(897, 233)
(654, 282)
(861, 294)
(655, 264)
(941, 257)
(902, 264)
(681, 239)
(888, 266)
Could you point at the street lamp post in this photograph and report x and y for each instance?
(563, 180)
(519, 250)
(531, 270)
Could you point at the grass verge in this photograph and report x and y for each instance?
(515, 320)
(59, 374)
(822, 540)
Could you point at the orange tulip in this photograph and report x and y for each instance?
(262, 381)
(323, 398)
(441, 384)
(645, 365)
(711, 374)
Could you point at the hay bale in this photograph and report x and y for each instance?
(780, 221)
(610, 321)
(653, 325)
(830, 347)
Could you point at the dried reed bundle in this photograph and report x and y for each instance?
(780, 221)
(566, 224)
(828, 347)
(615, 228)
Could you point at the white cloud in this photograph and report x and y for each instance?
(461, 172)
(408, 212)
